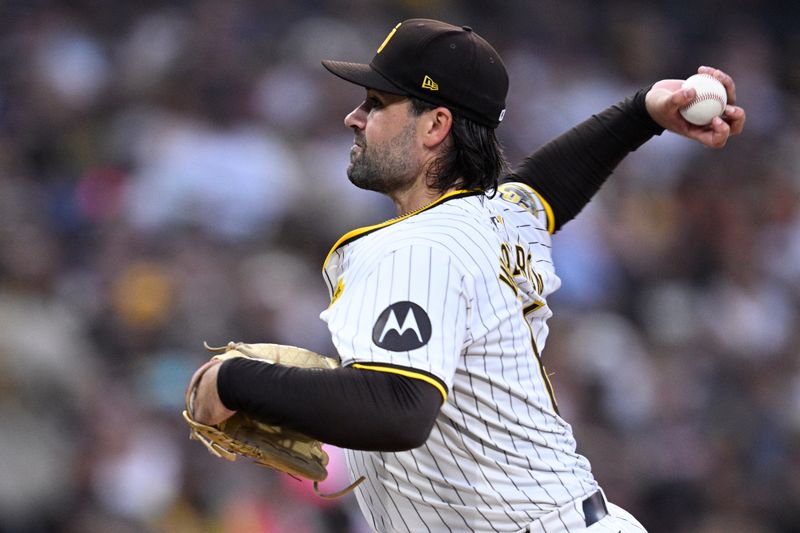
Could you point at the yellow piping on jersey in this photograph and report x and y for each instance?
(542, 370)
(363, 231)
(532, 307)
(337, 291)
(406, 373)
(551, 219)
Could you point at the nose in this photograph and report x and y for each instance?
(356, 118)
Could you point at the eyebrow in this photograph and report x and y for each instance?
(384, 96)
(372, 93)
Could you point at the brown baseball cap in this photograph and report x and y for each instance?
(446, 65)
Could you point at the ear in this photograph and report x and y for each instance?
(436, 126)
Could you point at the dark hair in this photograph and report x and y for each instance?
(476, 159)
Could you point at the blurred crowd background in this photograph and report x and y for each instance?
(174, 172)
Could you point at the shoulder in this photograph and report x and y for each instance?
(525, 198)
(462, 218)
(461, 229)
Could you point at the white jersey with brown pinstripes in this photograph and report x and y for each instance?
(456, 294)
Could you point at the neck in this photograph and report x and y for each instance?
(419, 194)
(416, 198)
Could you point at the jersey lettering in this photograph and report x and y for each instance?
(521, 266)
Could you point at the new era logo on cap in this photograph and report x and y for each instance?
(428, 83)
(439, 63)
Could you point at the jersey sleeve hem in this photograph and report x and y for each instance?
(406, 372)
(551, 219)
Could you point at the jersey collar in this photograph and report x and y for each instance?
(351, 236)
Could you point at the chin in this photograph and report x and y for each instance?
(361, 183)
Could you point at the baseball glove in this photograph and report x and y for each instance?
(279, 448)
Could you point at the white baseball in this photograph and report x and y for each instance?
(709, 102)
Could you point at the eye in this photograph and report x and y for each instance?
(372, 103)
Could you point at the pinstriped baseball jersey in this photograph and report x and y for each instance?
(456, 294)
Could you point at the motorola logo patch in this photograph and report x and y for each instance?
(401, 327)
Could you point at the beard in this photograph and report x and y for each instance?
(385, 167)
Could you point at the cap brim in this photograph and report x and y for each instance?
(361, 74)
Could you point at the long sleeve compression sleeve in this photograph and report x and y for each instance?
(346, 407)
(571, 168)
(362, 409)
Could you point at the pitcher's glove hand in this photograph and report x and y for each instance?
(283, 449)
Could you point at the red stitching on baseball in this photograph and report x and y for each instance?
(702, 97)
(706, 96)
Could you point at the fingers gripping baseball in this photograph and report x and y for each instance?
(733, 115)
(725, 79)
(667, 97)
